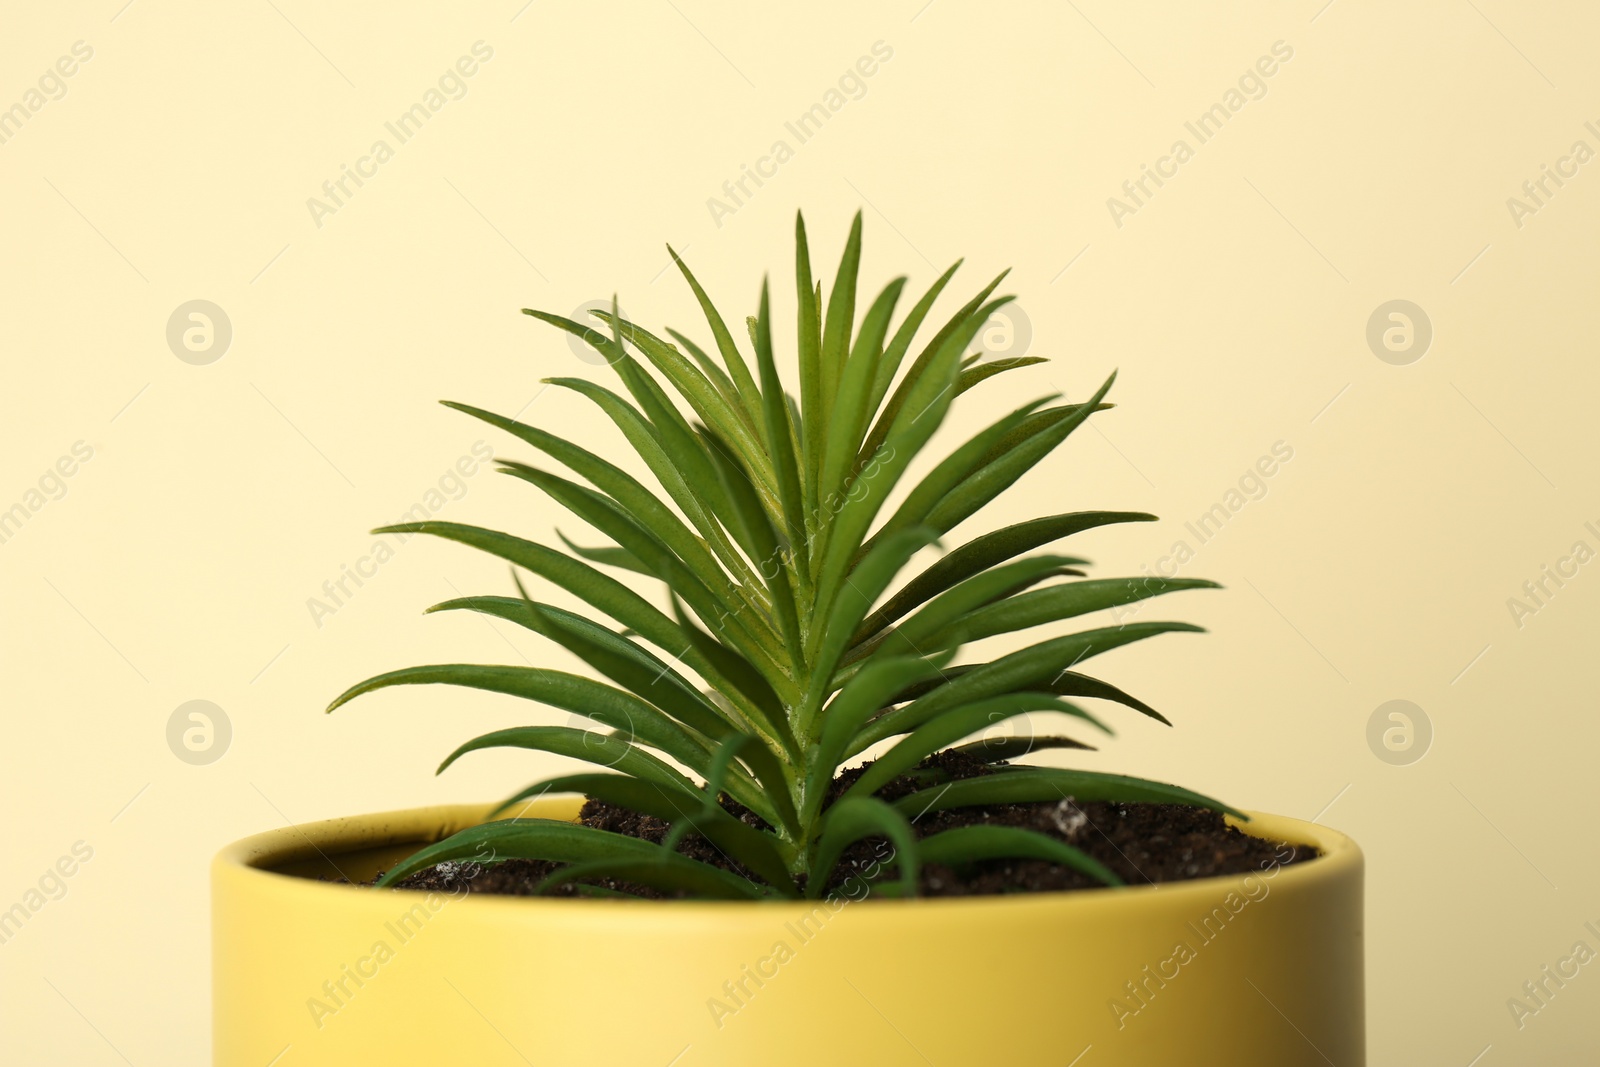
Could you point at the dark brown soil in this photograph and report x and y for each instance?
(1142, 843)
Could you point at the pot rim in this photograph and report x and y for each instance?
(250, 862)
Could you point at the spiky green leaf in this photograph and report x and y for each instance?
(971, 844)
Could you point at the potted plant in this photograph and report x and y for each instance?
(735, 889)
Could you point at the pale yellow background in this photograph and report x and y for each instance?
(180, 561)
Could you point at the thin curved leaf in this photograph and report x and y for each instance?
(970, 844)
(708, 366)
(610, 555)
(533, 839)
(860, 699)
(999, 749)
(851, 819)
(1028, 668)
(950, 472)
(1030, 785)
(780, 435)
(1000, 474)
(621, 711)
(628, 665)
(701, 394)
(889, 363)
(924, 409)
(591, 746)
(772, 554)
(923, 365)
(866, 583)
(959, 602)
(975, 373)
(742, 628)
(848, 414)
(755, 850)
(621, 487)
(1073, 684)
(749, 395)
(741, 675)
(950, 726)
(597, 589)
(984, 552)
(1066, 684)
(1038, 423)
(697, 506)
(666, 871)
(808, 330)
(670, 427)
(763, 763)
(841, 316)
(1057, 602)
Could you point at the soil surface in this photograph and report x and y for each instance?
(1142, 843)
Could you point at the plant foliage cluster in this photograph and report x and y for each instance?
(788, 645)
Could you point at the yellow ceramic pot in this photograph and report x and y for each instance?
(1259, 969)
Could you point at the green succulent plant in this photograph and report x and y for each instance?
(779, 554)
